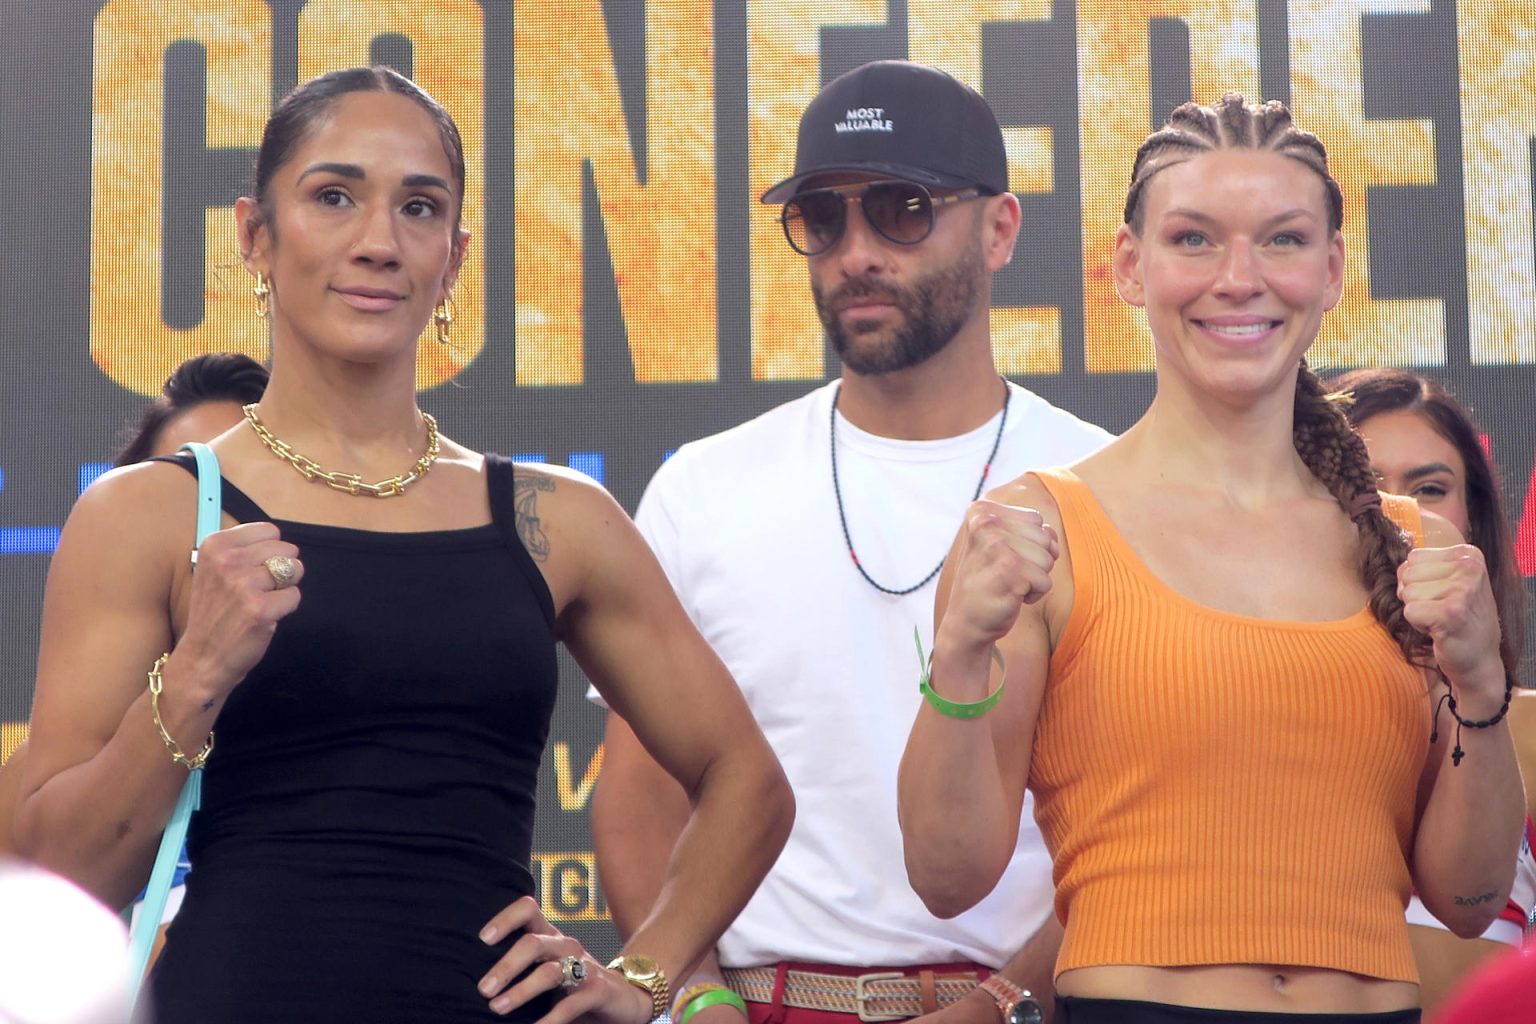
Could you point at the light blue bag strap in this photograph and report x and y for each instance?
(209, 510)
(209, 493)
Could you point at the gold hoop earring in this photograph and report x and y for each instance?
(263, 293)
(442, 319)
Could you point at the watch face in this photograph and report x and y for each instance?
(640, 968)
(1025, 1011)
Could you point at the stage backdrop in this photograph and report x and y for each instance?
(625, 292)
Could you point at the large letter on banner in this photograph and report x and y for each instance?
(654, 176)
(1498, 143)
(1328, 97)
(1025, 340)
(783, 75)
(1115, 107)
(224, 56)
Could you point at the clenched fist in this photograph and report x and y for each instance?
(237, 600)
(1004, 563)
(1446, 595)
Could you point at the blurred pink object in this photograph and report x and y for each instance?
(1502, 992)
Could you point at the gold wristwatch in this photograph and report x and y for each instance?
(642, 972)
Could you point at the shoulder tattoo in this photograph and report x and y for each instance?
(525, 497)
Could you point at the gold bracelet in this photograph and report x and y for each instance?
(156, 684)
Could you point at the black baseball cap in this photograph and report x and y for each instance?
(903, 120)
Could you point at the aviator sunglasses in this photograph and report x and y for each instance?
(899, 211)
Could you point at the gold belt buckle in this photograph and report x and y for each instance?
(861, 993)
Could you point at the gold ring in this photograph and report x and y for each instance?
(282, 570)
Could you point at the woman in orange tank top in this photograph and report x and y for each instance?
(1228, 651)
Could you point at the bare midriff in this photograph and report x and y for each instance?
(1253, 987)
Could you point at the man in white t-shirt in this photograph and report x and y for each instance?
(806, 544)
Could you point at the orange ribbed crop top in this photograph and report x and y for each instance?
(1217, 789)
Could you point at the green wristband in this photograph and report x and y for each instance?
(951, 708)
(711, 997)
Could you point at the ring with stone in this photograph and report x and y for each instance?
(573, 971)
(282, 570)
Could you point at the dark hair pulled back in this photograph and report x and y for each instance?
(306, 106)
(212, 377)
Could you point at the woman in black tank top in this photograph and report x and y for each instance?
(370, 665)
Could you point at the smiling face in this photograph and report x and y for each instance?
(1413, 458)
(357, 230)
(1235, 264)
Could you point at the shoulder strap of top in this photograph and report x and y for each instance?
(1082, 540)
(1087, 534)
(237, 505)
(1405, 512)
(501, 481)
(1082, 518)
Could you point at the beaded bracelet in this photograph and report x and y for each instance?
(1448, 700)
(951, 708)
(156, 684)
(702, 996)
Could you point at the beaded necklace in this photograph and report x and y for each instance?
(842, 515)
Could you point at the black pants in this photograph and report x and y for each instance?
(1072, 1010)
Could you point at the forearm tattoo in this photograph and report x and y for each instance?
(525, 496)
(1475, 901)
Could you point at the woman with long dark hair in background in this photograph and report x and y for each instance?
(1423, 443)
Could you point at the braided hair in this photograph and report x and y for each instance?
(1231, 124)
(1364, 394)
(1324, 439)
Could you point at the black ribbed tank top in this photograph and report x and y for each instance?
(369, 803)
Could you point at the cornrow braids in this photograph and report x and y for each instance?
(1232, 123)
(1337, 456)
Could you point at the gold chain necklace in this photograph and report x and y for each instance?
(349, 482)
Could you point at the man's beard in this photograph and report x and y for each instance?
(933, 310)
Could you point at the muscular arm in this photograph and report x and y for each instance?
(1469, 830)
(729, 806)
(99, 783)
(962, 781)
(638, 813)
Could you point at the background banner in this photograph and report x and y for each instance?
(626, 293)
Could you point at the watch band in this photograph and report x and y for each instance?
(1014, 1002)
(644, 973)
